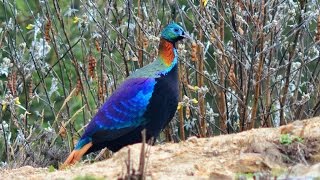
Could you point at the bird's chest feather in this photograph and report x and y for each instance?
(163, 103)
(167, 88)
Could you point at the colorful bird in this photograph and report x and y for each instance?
(147, 99)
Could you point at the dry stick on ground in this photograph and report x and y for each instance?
(131, 172)
(128, 165)
(142, 163)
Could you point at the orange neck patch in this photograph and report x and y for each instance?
(166, 52)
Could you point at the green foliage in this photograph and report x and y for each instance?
(88, 177)
(51, 168)
(288, 139)
(255, 175)
(277, 172)
(246, 176)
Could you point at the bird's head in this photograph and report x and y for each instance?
(173, 33)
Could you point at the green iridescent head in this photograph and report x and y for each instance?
(173, 33)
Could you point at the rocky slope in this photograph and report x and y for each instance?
(289, 151)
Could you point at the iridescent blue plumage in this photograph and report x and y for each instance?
(123, 110)
(148, 100)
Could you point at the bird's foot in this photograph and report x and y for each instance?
(76, 156)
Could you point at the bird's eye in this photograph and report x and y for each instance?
(176, 30)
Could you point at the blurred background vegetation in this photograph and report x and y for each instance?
(249, 64)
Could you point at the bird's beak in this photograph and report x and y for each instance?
(186, 36)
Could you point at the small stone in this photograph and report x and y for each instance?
(216, 175)
(192, 139)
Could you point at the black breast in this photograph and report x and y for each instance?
(163, 103)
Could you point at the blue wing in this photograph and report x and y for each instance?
(121, 113)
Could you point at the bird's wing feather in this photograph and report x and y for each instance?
(122, 112)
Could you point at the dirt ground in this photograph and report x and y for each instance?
(289, 151)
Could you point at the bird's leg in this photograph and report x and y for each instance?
(76, 155)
